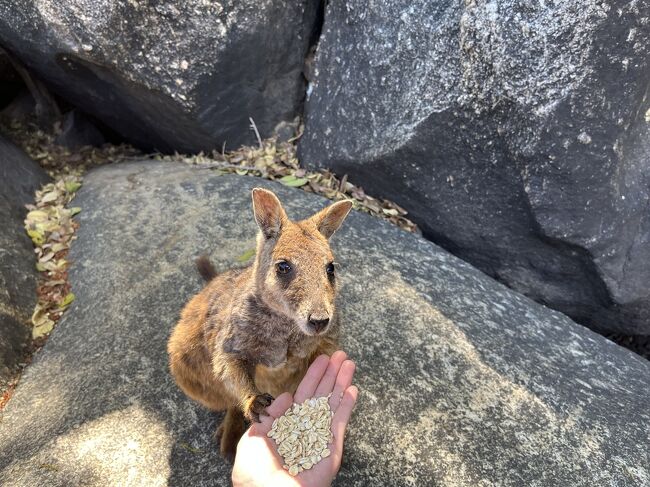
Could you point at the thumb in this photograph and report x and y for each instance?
(340, 420)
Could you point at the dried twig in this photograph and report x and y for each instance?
(257, 134)
(220, 165)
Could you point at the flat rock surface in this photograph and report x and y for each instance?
(463, 382)
(19, 178)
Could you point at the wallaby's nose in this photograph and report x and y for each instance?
(318, 325)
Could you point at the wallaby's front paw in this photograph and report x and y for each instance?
(256, 405)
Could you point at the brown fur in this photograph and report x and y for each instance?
(205, 268)
(251, 333)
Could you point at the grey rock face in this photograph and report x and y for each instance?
(173, 75)
(463, 382)
(19, 178)
(515, 133)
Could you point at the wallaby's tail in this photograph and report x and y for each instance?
(205, 268)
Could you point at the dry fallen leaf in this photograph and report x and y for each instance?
(293, 181)
(51, 228)
(69, 298)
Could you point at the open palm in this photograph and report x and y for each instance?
(258, 462)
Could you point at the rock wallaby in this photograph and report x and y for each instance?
(251, 333)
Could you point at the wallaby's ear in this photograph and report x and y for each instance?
(268, 211)
(329, 219)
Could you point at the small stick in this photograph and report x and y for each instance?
(254, 127)
(216, 165)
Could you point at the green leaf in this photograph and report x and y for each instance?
(42, 323)
(293, 181)
(246, 256)
(67, 300)
(37, 237)
(189, 448)
(74, 210)
(42, 329)
(72, 186)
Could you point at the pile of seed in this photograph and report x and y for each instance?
(303, 433)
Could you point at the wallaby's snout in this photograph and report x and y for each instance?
(295, 269)
(318, 324)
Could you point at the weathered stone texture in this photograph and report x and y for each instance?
(19, 178)
(516, 134)
(463, 382)
(173, 75)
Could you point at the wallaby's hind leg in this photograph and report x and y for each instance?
(190, 362)
(195, 378)
(230, 431)
(209, 397)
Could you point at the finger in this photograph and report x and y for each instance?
(280, 405)
(343, 381)
(327, 382)
(341, 418)
(312, 378)
(261, 428)
(276, 409)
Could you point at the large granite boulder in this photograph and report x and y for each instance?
(170, 75)
(20, 177)
(515, 133)
(463, 382)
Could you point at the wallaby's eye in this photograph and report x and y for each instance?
(283, 267)
(330, 268)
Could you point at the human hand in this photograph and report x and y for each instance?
(258, 463)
